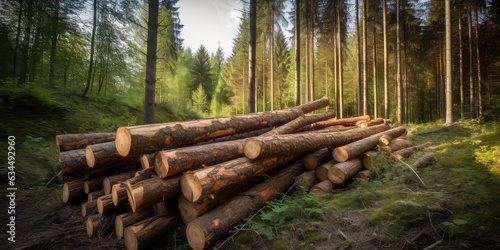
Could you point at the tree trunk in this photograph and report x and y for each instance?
(386, 65)
(358, 64)
(375, 104)
(151, 191)
(312, 161)
(480, 98)
(449, 103)
(297, 144)
(119, 194)
(333, 122)
(144, 233)
(305, 180)
(102, 155)
(341, 71)
(53, 47)
(323, 187)
(73, 190)
(89, 207)
(92, 39)
(109, 181)
(300, 122)
(311, 53)
(365, 81)
(203, 231)
(272, 57)
(471, 66)
(93, 184)
(251, 57)
(341, 172)
(95, 194)
(354, 149)
(73, 163)
(297, 52)
(69, 142)
(322, 171)
(461, 64)
(384, 140)
(97, 225)
(150, 138)
(407, 152)
(424, 161)
(396, 145)
(122, 221)
(308, 34)
(105, 204)
(26, 43)
(150, 82)
(18, 32)
(377, 121)
(399, 90)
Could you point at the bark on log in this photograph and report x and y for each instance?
(237, 136)
(305, 180)
(105, 204)
(105, 154)
(143, 175)
(384, 140)
(322, 171)
(312, 161)
(363, 175)
(147, 160)
(336, 128)
(295, 144)
(69, 142)
(301, 121)
(361, 124)
(73, 190)
(151, 191)
(73, 163)
(395, 145)
(122, 221)
(323, 187)
(171, 162)
(95, 194)
(89, 207)
(97, 225)
(341, 172)
(109, 181)
(407, 152)
(93, 184)
(144, 233)
(354, 149)
(155, 137)
(367, 158)
(210, 181)
(119, 194)
(377, 121)
(424, 160)
(210, 227)
(333, 122)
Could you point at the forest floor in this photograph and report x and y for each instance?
(457, 208)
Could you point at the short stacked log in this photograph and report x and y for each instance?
(143, 182)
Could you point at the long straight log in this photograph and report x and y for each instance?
(395, 145)
(336, 128)
(109, 181)
(407, 152)
(333, 122)
(322, 171)
(305, 180)
(301, 121)
(73, 190)
(354, 149)
(97, 225)
(341, 172)
(377, 121)
(210, 181)
(155, 137)
(210, 227)
(95, 194)
(143, 175)
(148, 192)
(424, 160)
(323, 187)
(89, 207)
(363, 175)
(261, 147)
(105, 204)
(119, 191)
(237, 136)
(93, 184)
(104, 154)
(124, 220)
(69, 142)
(147, 160)
(144, 233)
(73, 163)
(312, 161)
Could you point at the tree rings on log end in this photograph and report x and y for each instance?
(195, 236)
(340, 154)
(118, 227)
(251, 148)
(187, 210)
(361, 124)
(191, 187)
(65, 193)
(384, 140)
(106, 185)
(114, 195)
(161, 165)
(144, 161)
(89, 156)
(130, 239)
(100, 206)
(310, 162)
(84, 210)
(90, 226)
(123, 141)
(336, 175)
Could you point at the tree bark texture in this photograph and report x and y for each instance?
(73, 190)
(322, 171)
(300, 122)
(69, 142)
(93, 184)
(109, 181)
(105, 204)
(146, 232)
(95, 194)
(424, 160)
(89, 207)
(104, 154)
(384, 140)
(341, 172)
(305, 180)
(312, 161)
(252, 57)
(377, 121)
(73, 163)
(333, 122)
(407, 152)
(151, 56)
(323, 187)
(396, 145)
(122, 221)
(363, 175)
(147, 160)
(97, 225)
(151, 191)
(297, 52)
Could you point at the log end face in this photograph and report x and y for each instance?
(89, 156)
(310, 162)
(90, 227)
(130, 239)
(251, 148)
(84, 210)
(106, 185)
(65, 195)
(86, 187)
(340, 154)
(119, 227)
(123, 141)
(191, 187)
(195, 236)
(100, 206)
(114, 195)
(144, 162)
(336, 175)
(186, 210)
(161, 165)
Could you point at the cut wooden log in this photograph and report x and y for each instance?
(104, 154)
(89, 207)
(124, 220)
(172, 162)
(69, 142)
(395, 145)
(341, 172)
(73, 190)
(368, 159)
(312, 161)
(143, 175)
(354, 149)
(361, 124)
(333, 122)
(363, 175)
(119, 194)
(147, 160)
(237, 136)
(93, 184)
(210, 227)
(300, 122)
(97, 225)
(384, 140)
(322, 171)
(336, 128)
(148, 192)
(295, 144)
(155, 137)
(377, 121)
(305, 180)
(109, 181)
(95, 194)
(105, 204)
(73, 163)
(407, 152)
(323, 187)
(143, 234)
(212, 180)
(424, 160)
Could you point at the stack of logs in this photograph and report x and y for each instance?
(145, 181)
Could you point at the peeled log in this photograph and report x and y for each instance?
(305, 180)
(109, 181)
(89, 207)
(105, 154)
(69, 142)
(322, 171)
(95, 194)
(301, 121)
(212, 180)
(154, 137)
(363, 175)
(147, 160)
(333, 122)
(354, 149)
(323, 187)
(93, 184)
(97, 225)
(312, 161)
(171, 162)
(341, 172)
(124, 220)
(148, 192)
(73, 190)
(377, 121)
(144, 233)
(407, 152)
(395, 145)
(210, 227)
(424, 160)
(295, 144)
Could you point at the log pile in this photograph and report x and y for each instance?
(142, 182)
